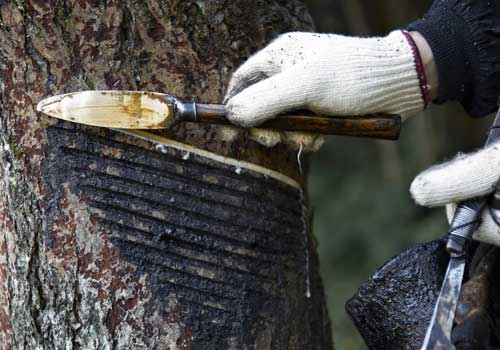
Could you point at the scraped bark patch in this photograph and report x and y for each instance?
(222, 252)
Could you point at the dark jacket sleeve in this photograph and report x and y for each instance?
(464, 36)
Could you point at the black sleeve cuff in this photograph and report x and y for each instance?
(464, 36)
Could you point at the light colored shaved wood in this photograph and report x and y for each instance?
(117, 109)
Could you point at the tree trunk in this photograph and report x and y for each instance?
(194, 238)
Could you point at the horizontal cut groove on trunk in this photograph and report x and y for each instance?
(200, 289)
(140, 189)
(211, 215)
(166, 229)
(220, 246)
(144, 257)
(204, 286)
(185, 181)
(126, 215)
(206, 195)
(216, 168)
(187, 251)
(195, 261)
(194, 167)
(201, 283)
(235, 188)
(202, 306)
(202, 297)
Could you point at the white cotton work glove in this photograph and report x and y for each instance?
(465, 177)
(328, 74)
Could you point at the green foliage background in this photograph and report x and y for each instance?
(363, 213)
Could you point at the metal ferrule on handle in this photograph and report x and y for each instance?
(464, 223)
(183, 111)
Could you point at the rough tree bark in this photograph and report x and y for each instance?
(113, 241)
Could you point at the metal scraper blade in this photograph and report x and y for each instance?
(439, 332)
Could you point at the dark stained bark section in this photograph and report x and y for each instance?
(110, 241)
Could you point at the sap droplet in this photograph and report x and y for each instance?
(161, 148)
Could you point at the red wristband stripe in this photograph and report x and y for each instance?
(422, 78)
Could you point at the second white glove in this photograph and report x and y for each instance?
(327, 74)
(465, 177)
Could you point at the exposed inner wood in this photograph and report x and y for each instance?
(111, 109)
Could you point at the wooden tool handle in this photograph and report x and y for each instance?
(375, 126)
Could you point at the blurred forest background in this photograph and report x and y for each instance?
(363, 213)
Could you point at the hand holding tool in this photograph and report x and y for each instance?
(465, 221)
(466, 176)
(329, 74)
(149, 110)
